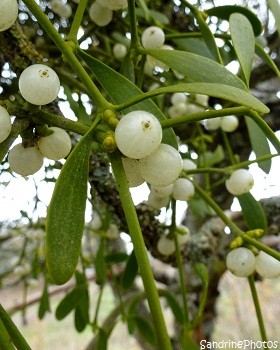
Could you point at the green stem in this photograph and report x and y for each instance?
(236, 230)
(257, 308)
(180, 266)
(13, 331)
(135, 41)
(68, 54)
(228, 147)
(95, 321)
(261, 246)
(75, 26)
(141, 253)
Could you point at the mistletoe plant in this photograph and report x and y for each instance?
(159, 97)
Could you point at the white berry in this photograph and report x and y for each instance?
(183, 190)
(165, 246)
(156, 202)
(202, 99)
(55, 146)
(229, 123)
(267, 266)
(153, 37)
(239, 182)
(177, 110)
(131, 168)
(25, 161)
(116, 4)
(162, 191)
(62, 10)
(39, 84)
(178, 97)
(241, 262)
(183, 234)
(5, 124)
(138, 134)
(189, 164)
(162, 167)
(8, 13)
(100, 15)
(212, 123)
(119, 51)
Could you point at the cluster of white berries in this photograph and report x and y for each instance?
(228, 123)
(242, 263)
(8, 13)
(166, 245)
(138, 136)
(101, 11)
(39, 85)
(182, 105)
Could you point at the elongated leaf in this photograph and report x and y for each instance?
(266, 59)
(5, 339)
(115, 258)
(65, 218)
(243, 42)
(82, 313)
(44, 305)
(174, 306)
(69, 302)
(102, 340)
(196, 46)
(130, 271)
(252, 211)
(145, 328)
(259, 144)
(120, 89)
(196, 68)
(224, 12)
(225, 92)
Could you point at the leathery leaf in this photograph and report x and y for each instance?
(65, 217)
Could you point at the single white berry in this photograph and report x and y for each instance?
(8, 13)
(138, 134)
(178, 97)
(55, 146)
(212, 123)
(132, 171)
(119, 51)
(152, 37)
(100, 15)
(165, 246)
(162, 167)
(189, 164)
(183, 190)
(39, 84)
(267, 266)
(177, 110)
(162, 191)
(239, 182)
(202, 99)
(229, 123)
(25, 161)
(116, 4)
(183, 234)
(193, 108)
(5, 124)
(61, 9)
(241, 262)
(156, 202)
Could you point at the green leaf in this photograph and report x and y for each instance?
(120, 89)
(215, 157)
(145, 328)
(127, 68)
(196, 46)
(115, 258)
(82, 310)
(196, 68)
(44, 305)
(69, 302)
(252, 211)
(174, 306)
(243, 42)
(130, 271)
(259, 144)
(266, 59)
(65, 217)
(225, 92)
(100, 264)
(5, 339)
(102, 340)
(224, 12)
(274, 7)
